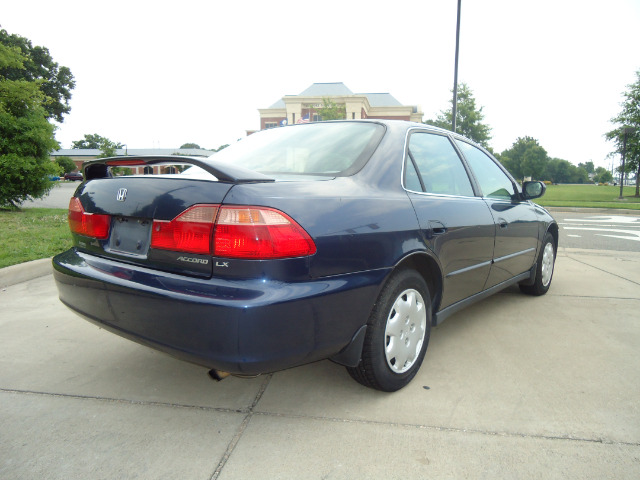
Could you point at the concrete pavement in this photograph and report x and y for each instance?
(513, 387)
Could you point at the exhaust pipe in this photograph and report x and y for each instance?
(219, 375)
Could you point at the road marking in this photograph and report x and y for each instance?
(628, 219)
(633, 234)
(603, 225)
(575, 236)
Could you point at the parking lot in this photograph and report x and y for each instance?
(513, 387)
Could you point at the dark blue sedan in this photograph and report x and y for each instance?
(342, 240)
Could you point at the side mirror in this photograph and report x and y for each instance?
(531, 190)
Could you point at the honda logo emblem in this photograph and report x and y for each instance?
(122, 195)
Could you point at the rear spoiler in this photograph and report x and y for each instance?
(223, 171)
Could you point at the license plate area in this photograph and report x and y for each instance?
(130, 236)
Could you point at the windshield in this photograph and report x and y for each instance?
(328, 148)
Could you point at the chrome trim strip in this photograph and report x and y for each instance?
(507, 257)
(484, 264)
(442, 315)
(468, 269)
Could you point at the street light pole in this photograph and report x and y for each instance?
(454, 111)
(625, 131)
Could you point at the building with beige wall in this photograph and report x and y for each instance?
(292, 109)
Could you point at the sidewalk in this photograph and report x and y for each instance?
(513, 387)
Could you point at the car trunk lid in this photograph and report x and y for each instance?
(132, 205)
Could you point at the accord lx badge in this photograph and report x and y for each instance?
(203, 261)
(122, 195)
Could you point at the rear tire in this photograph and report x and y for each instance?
(397, 334)
(544, 269)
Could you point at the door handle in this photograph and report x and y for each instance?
(437, 227)
(503, 223)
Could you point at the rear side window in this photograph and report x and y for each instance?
(493, 181)
(439, 168)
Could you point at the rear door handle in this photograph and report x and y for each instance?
(503, 223)
(437, 227)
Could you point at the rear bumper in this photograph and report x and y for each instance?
(239, 326)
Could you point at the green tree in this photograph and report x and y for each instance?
(602, 175)
(108, 148)
(525, 158)
(534, 162)
(26, 137)
(37, 67)
(66, 164)
(562, 171)
(589, 166)
(468, 118)
(629, 117)
(331, 110)
(94, 141)
(190, 145)
(578, 174)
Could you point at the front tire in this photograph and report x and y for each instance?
(544, 269)
(397, 334)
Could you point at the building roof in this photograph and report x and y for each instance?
(94, 152)
(381, 100)
(339, 89)
(326, 90)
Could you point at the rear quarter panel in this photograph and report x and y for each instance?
(355, 227)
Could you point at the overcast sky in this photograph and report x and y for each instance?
(161, 74)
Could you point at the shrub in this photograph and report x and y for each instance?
(66, 164)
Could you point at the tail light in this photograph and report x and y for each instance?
(191, 231)
(88, 224)
(233, 232)
(259, 233)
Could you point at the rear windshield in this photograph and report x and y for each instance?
(328, 148)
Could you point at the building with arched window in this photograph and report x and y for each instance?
(302, 108)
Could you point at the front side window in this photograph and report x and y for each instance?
(494, 183)
(439, 168)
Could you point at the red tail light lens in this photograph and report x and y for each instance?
(88, 224)
(191, 231)
(259, 233)
(233, 232)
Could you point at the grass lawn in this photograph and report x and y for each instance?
(590, 196)
(32, 233)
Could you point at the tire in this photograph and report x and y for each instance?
(397, 335)
(544, 269)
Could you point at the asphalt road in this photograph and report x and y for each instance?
(57, 198)
(599, 231)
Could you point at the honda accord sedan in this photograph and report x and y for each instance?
(343, 240)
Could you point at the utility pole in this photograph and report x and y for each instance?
(455, 73)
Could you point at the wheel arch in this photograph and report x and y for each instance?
(553, 229)
(429, 268)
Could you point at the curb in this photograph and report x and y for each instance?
(23, 272)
